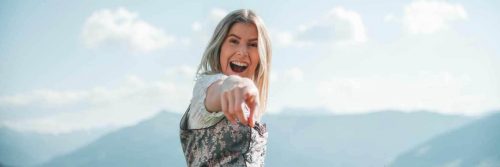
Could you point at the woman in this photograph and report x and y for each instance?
(222, 125)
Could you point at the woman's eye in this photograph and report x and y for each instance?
(233, 41)
(253, 44)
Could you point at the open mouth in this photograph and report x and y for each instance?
(237, 66)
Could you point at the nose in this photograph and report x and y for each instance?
(242, 50)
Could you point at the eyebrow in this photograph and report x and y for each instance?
(236, 36)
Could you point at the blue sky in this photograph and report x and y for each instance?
(82, 65)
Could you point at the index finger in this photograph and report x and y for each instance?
(253, 105)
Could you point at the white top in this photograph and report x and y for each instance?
(198, 116)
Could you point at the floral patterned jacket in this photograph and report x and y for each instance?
(224, 144)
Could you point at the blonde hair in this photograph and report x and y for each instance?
(210, 62)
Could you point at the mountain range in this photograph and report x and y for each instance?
(385, 138)
(474, 145)
(373, 139)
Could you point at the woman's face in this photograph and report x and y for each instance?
(239, 52)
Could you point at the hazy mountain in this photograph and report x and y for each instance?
(154, 142)
(31, 148)
(474, 145)
(313, 140)
(351, 140)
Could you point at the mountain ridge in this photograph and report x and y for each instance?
(333, 140)
(475, 144)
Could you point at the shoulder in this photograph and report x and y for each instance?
(203, 81)
(209, 77)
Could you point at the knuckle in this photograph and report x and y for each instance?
(235, 108)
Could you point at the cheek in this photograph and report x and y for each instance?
(223, 64)
(255, 60)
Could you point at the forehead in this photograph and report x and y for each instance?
(244, 30)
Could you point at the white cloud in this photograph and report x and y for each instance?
(287, 76)
(338, 26)
(123, 27)
(196, 26)
(288, 39)
(423, 17)
(294, 74)
(389, 17)
(350, 23)
(440, 92)
(217, 14)
(273, 77)
(284, 38)
(213, 18)
(289, 89)
(204, 28)
(181, 73)
(43, 97)
(132, 101)
(345, 73)
(185, 41)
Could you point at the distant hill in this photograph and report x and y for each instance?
(474, 145)
(362, 140)
(154, 142)
(31, 148)
(311, 140)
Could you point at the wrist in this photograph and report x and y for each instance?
(230, 82)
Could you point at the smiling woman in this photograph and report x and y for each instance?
(222, 125)
(239, 50)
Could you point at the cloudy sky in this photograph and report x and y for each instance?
(77, 65)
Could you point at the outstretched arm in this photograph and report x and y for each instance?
(230, 96)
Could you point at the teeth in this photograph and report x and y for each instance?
(240, 63)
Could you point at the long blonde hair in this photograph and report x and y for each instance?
(210, 62)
